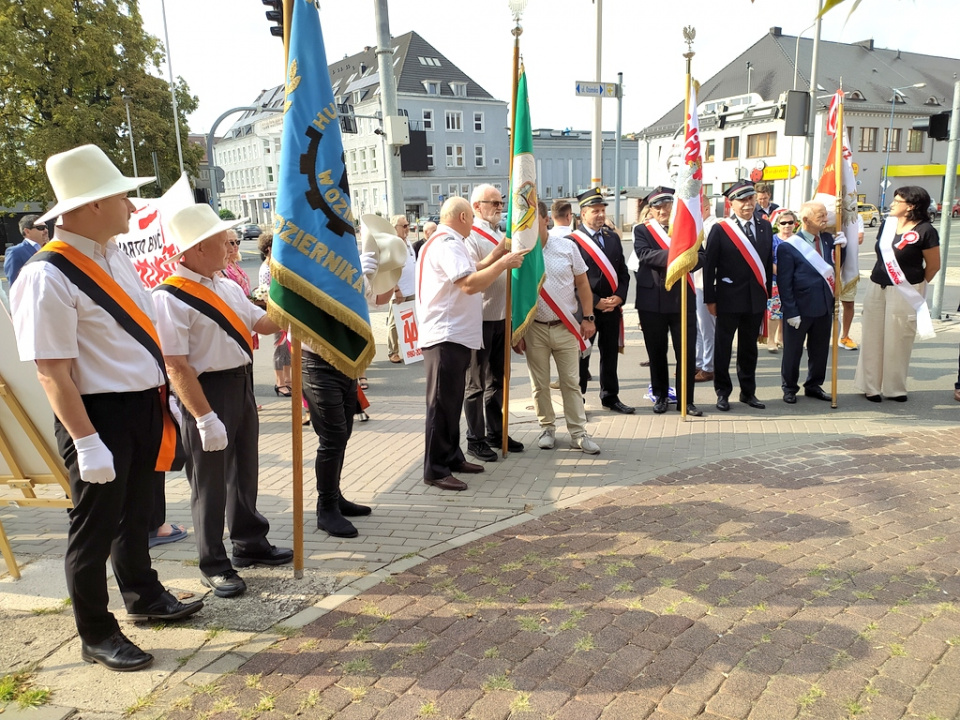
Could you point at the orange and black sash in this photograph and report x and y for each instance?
(207, 302)
(94, 282)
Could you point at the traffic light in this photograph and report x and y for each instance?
(348, 123)
(939, 126)
(275, 15)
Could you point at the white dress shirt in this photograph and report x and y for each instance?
(54, 320)
(186, 331)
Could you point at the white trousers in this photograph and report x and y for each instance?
(706, 329)
(542, 342)
(889, 326)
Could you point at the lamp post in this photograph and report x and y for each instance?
(886, 164)
(173, 88)
(133, 150)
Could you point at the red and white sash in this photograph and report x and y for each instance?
(663, 240)
(484, 234)
(815, 259)
(568, 320)
(747, 250)
(899, 280)
(598, 256)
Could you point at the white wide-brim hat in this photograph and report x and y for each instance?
(378, 236)
(194, 224)
(84, 175)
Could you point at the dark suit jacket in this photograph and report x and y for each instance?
(652, 295)
(614, 252)
(727, 279)
(759, 214)
(803, 291)
(16, 258)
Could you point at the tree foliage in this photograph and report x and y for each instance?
(66, 66)
(227, 214)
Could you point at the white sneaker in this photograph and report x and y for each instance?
(555, 384)
(546, 439)
(586, 444)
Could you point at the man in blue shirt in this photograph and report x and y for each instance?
(34, 236)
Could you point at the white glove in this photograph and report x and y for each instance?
(369, 263)
(175, 410)
(794, 322)
(95, 460)
(213, 433)
(840, 240)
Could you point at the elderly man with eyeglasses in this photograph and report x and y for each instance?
(34, 237)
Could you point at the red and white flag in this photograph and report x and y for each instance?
(686, 224)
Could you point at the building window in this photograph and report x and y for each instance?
(559, 191)
(915, 141)
(453, 190)
(478, 122)
(707, 190)
(868, 139)
(454, 120)
(465, 190)
(891, 141)
(731, 148)
(479, 156)
(373, 159)
(428, 119)
(762, 145)
(363, 161)
(455, 156)
(353, 161)
(459, 89)
(430, 161)
(548, 194)
(435, 193)
(709, 150)
(432, 88)
(270, 174)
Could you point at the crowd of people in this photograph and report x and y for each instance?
(123, 368)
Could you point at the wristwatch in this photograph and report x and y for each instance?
(590, 318)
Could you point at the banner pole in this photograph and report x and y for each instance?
(682, 375)
(508, 319)
(296, 424)
(838, 227)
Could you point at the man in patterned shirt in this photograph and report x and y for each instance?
(556, 331)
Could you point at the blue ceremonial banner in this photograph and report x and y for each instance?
(317, 285)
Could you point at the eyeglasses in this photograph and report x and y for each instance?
(498, 203)
(233, 242)
(42, 228)
(402, 227)
(786, 222)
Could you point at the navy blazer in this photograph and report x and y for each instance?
(652, 295)
(614, 252)
(15, 258)
(727, 279)
(803, 291)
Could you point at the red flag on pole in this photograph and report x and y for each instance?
(686, 225)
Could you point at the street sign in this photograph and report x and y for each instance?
(779, 172)
(596, 89)
(265, 205)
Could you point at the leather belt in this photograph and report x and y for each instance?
(549, 323)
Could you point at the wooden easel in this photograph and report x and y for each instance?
(25, 482)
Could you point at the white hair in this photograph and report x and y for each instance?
(480, 190)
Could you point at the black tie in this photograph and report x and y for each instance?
(749, 233)
(599, 238)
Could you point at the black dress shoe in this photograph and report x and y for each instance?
(226, 585)
(790, 398)
(898, 398)
(874, 398)
(116, 653)
(352, 509)
(692, 410)
(481, 451)
(512, 445)
(661, 405)
(447, 483)
(723, 404)
(752, 401)
(165, 607)
(273, 556)
(817, 393)
(619, 407)
(469, 468)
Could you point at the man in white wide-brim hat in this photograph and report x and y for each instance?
(205, 322)
(81, 313)
(332, 396)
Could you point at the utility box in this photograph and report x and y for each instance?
(796, 119)
(397, 130)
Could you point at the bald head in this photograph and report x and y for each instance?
(428, 229)
(456, 213)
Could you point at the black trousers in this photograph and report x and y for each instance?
(226, 480)
(484, 389)
(746, 326)
(113, 519)
(816, 332)
(607, 342)
(656, 327)
(445, 365)
(332, 401)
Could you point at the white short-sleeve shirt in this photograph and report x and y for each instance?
(186, 331)
(562, 262)
(444, 312)
(55, 320)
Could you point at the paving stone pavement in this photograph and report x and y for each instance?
(747, 564)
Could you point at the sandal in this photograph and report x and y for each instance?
(179, 532)
(364, 385)
(362, 416)
(278, 389)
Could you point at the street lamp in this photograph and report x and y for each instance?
(133, 150)
(886, 164)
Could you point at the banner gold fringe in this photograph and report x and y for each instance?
(519, 332)
(686, 260)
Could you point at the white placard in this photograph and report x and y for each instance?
(407, 335)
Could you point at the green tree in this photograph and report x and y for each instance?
(227, 214)
(67, 65)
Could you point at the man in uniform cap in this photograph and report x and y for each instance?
(205, 322)
(609, 278)
(659, 308)
(81, 313)
(737, 276)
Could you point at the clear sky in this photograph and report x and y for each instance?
(223, 48)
